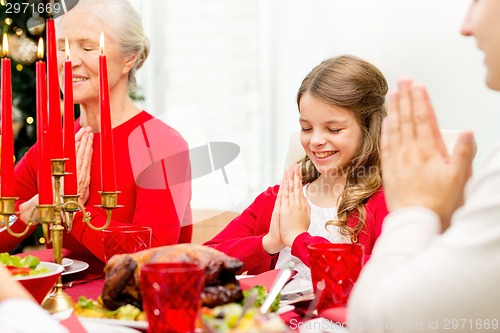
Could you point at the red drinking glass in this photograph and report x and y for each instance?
(171, 296)
(125, 239)
(338, 265)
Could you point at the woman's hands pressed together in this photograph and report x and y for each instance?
(417, 170)
(83, 146)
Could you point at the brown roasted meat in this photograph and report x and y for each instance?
(122, 274)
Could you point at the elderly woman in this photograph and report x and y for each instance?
(152, 163)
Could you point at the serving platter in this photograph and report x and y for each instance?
(130, 324)
(94, 327)
(136, 324)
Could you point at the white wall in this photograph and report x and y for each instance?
(238, 64)
(418, 39)
(202, 78)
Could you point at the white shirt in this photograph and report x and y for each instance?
(24, 316)
(319, 217)
(418, 279)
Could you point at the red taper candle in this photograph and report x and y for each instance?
(108, 181)
(70, 184)
(7, 172)
(44, 180)
(53, 94)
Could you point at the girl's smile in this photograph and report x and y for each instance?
(331, 135)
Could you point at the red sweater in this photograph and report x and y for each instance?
(242, 237)
(143, 148)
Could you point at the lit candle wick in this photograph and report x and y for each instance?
(101, 43)
(39, 51)
(66, 49)
(5, 45)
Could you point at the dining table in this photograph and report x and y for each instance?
(90, 284)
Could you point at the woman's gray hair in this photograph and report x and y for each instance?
(126, 27)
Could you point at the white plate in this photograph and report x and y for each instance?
(95, 327)
(141, 325)
(297, 286)
(285, 308)
(67, 262)
(75, 267)
(129, 325)
(321, 325)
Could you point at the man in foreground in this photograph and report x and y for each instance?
(435, 267)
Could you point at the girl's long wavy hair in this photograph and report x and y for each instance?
(357, 85)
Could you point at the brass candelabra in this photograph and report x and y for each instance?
(55, 219)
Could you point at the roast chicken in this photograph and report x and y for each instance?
(122, 274)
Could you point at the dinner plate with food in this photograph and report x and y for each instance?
(93, 311)
(120, 302)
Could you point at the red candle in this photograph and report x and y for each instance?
(70, 185)
(107, 154)
(44, 180)
(53, 92)
(7, 172)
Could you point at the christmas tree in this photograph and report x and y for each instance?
(14, 21)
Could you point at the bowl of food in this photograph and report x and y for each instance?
(38, 277)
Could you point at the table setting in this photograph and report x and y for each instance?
(183, 285)
(303, 306)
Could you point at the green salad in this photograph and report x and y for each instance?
(261, 294)
(22, 266)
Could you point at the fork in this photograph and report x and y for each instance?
(320, 286)
(82, 281)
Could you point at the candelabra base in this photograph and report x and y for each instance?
(58, 301)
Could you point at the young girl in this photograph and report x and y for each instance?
(335, 194)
